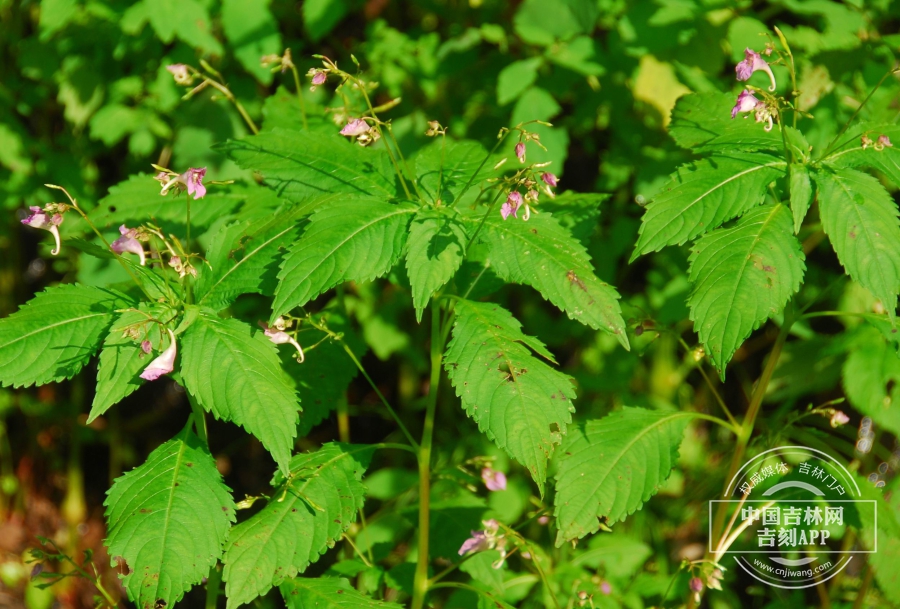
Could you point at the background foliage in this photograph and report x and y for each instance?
(86, 102)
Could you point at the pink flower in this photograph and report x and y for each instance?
(181, 73)
(319, 78)
(493, 480)
(146, 346)
(520, 151)
(839, 418)
(746, 102)
(478, 542)
(513, 201)
(605, 588)
(280, 337)
(355, 127)
(164, 364)
(488, 539)
(883, 141)
(40, 219)
(549, 179)
(128, 243)
(195, 185)
(696, 584)
(753, 61)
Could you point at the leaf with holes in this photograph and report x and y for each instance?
(54, 334)
(702, 195)
(741, 276)
(351, 240)
(542, 254)
(518, 400)
(860, 219)
(238, 377)
(301, 164)
(169, 519)
(609, 467)
(309, 511)
(437, 241)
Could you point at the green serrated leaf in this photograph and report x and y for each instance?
(543, 255)
(54, 334)
(704, 194)
(308, 513)
(121, 362)
(238, 377)
(435, 250)
(702, 121)
(577, 212)
(169, 519)
(252, 32)
(460, 161)
(300, 164)
(801, 193)
(851, 153)
(740, 277)
(351, 240)
(860, 219)
(520, 402)
(245, 256)
(611, 466)
(871, 374)
(515, 78)
(282, 110)
(327, 593)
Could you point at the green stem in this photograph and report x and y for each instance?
(384, 401)
(362, 87)
(300, 96)
(420, 584)
(238, 105)
(709, 384)
(860, 107)
(753, 409)
(409, 172)
(213, 584)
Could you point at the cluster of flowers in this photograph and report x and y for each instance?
(746, 101)
(880, 144)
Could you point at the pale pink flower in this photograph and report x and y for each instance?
(280, 337)
(164, 364)
(355, 127)
(520, 151)
(549, 179)
(41, 219)
(839, 418)
(487, 539)
(191, 180)
(753, 62)
(493, 480)
(181, 73)
(746, 102)
(883, 142)
(128, 243)
(513, 202)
